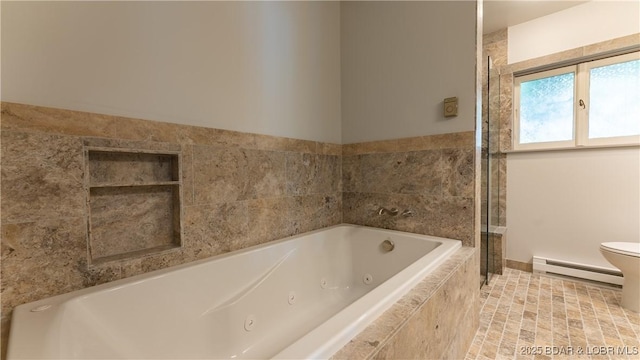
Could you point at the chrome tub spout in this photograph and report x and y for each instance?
(392, 211)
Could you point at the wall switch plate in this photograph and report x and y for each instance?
(450, 107)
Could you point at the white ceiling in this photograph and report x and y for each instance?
(499, 14)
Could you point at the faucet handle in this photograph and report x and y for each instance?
(407, 213)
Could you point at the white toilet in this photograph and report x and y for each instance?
(626, 257)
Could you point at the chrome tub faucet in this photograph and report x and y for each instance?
(392, 211)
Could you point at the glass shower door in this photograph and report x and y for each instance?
(490, 170)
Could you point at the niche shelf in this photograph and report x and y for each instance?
(134, 202)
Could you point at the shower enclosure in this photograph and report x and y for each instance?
(490, 168)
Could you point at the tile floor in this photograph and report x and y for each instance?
(531, 316)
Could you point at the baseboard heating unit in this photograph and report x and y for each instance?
(582, 271)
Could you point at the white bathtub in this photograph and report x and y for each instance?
(300, 297)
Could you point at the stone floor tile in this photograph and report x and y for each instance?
(520, 311)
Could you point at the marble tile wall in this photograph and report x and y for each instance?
(127, 220)
(133, 199)
(497, 245)
(129, 168)
(431, 176)
(437, 319)
(238, 190)
(496, 132)
(629, 42)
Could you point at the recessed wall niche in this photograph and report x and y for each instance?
(133, 199)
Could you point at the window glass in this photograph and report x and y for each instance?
(546, 109)
(614, 94)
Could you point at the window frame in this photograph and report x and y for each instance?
(580, 115)
(516, 108)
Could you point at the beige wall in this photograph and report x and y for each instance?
(399, 61)
(562, 205)
(323, 71)
(263, 67)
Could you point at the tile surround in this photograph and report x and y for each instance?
(106, 167)
(130, 219)
(497, 242)
(236, 174)
(238, 190)
(604, 47)
(42, 176)
(133, 199)
(518, 265)
(432, 176)
(426, 322)
(495, 45)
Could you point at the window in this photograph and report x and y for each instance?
(595, 103)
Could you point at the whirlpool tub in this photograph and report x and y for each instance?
(301, 297)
